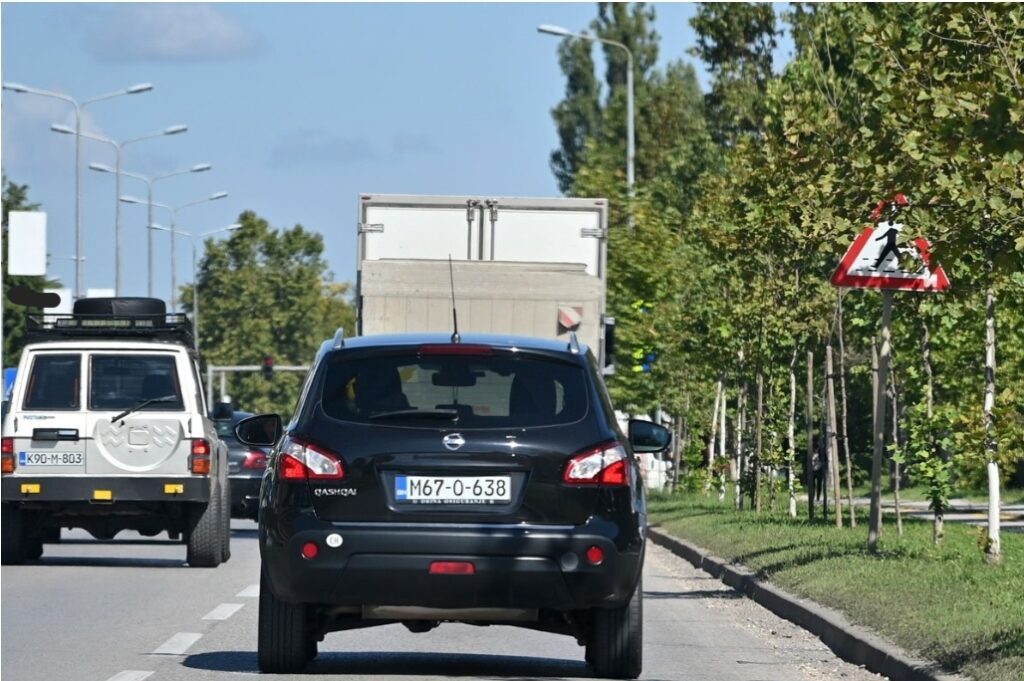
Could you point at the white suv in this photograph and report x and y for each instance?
(108, 430)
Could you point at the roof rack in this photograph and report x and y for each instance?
(170, 327)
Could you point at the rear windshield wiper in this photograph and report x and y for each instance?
(443, 414)
(144, 403)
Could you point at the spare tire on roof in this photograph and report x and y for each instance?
(120, 307)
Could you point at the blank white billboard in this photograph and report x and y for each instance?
(26, 243)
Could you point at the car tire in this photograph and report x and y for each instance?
(205, 533)
(285, 638)
(615, 648)
(225, 511)
(12, 539)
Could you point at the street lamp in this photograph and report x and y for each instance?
(173, 210)
(149, 180)
(118, 147)
(630, 135)
(195, 279)
(24, 89)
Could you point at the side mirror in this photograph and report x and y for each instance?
(645, 436)
(263, 430)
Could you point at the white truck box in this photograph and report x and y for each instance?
(522, 266)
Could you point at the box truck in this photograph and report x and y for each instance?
(519, 266)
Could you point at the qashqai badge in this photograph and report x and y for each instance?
(453, 441)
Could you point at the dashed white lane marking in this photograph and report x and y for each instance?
(251, 591)
(130, 675)
(177, 644)
(223, 611)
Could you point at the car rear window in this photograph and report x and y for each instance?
(123, 381)
(488, 391)
(53, 383)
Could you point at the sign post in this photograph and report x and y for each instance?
(878, 259)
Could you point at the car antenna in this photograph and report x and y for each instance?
(455, 315)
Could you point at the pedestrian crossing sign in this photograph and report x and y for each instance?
(879, 259)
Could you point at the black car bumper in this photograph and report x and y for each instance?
(515, 566)
(103, 490)
(245, 494)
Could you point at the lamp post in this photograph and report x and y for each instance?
(149, 180)
(195, 280)
(173, 211)
(118, 147)
(630, 134)
(79, 106)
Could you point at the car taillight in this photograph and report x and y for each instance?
(605, 465)
(255, 460)
(7, 457)
(301, 460)
(200, 457)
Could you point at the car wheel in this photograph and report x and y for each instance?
(205, 533)
(285, 639)
(225, 509)
(615, 648)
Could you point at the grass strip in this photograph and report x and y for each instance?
(944, 603)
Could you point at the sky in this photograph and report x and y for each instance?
(298, 107)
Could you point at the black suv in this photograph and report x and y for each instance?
(423, 480)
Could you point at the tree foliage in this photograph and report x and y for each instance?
(266, 292)
(746, 201)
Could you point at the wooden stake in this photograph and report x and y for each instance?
(875, 519)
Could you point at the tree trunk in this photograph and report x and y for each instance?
(757, 451)
(809, 419)
(741, 405)
(833, 440)
(994, 550)
(875, 517)
(721, 443)
(929, 396)
(792, 435)
(896, 478)
(711, 438)
(680, 442)
(846, 421)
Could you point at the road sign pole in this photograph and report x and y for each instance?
(875, 522)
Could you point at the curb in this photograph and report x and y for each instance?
(847, 640)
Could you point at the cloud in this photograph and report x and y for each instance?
(409, 144)
(320, 147)
(169, 32)
(27, 139)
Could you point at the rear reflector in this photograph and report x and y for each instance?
(455, 349)
(452, 567)
(7, 461)
(595, 555)
(310, 550)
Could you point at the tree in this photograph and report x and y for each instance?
(15, 197)
(736, 41)
(265, 292)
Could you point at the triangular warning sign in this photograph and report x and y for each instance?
(875, 260)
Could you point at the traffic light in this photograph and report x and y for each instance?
(268, 367)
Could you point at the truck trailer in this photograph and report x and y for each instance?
(522, 266)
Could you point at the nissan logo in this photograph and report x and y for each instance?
(453, 441)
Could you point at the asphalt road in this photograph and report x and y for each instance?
(130, 610)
